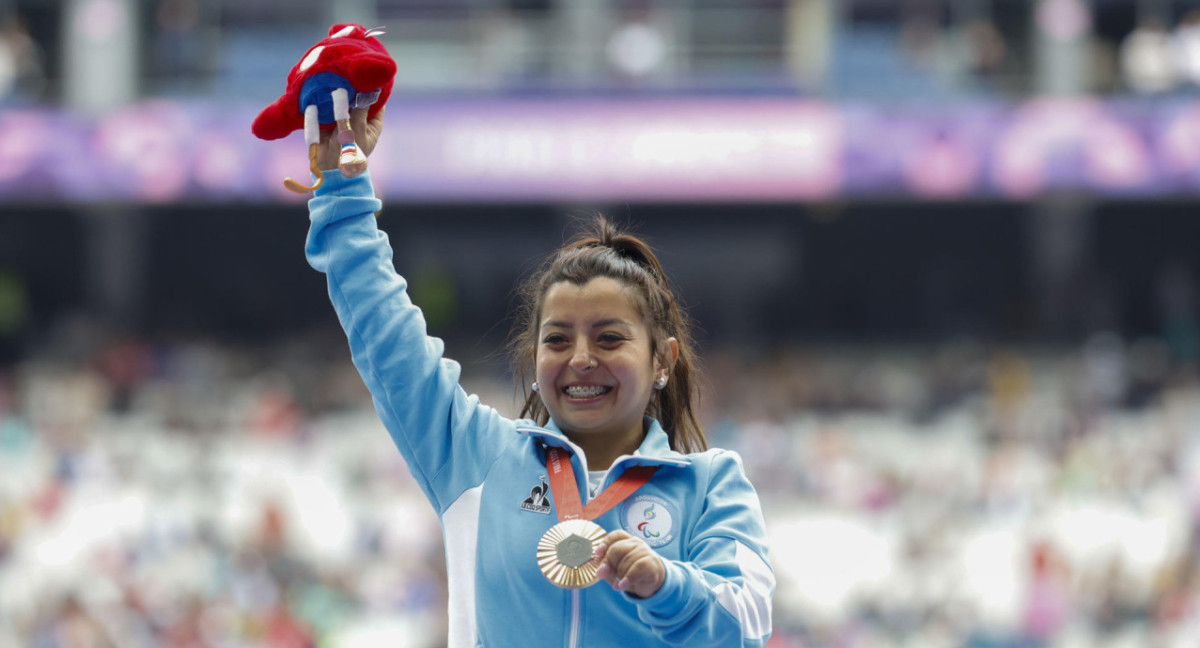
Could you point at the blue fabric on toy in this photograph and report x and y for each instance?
(318, 89)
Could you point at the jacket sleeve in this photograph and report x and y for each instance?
(448, 438)
(721, 595)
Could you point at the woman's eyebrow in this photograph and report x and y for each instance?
(613, 321)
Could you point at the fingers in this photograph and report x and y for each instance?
(358, 120)
(376, 121)
(366, 135)
(366, 131)
(615, 536)
(607, 571)
(630, 565)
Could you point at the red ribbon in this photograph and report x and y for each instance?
(566, 491)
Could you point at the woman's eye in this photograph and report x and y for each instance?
(553, 339)
(611, 338)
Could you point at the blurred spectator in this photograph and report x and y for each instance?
(178, 45)
(638, 48)
(72, 626)
(125, 364)
(1049, 604)
(986, 49)
(505, 47)
(22, 77)
(1147, 63)
(1179, 311)
(920, 34)
(1063, 20)
(974, 57)
(14, 317)
(1186, 40)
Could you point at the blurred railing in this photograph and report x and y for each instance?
(844, 49)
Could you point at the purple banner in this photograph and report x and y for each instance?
(474, 150)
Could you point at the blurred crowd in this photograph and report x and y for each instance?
(189, 493)
(843, 50)
(975, 497)
(22, 68)
(1156, 57)
(194, 494)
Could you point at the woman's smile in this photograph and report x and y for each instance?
(586, 392)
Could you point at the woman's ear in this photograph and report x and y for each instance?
(667, 358)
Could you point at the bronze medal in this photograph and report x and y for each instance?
(567, 553)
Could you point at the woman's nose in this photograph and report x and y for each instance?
(582, 359)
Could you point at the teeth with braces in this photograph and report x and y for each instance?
(585, 391)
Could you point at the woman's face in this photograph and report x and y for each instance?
(594, 369)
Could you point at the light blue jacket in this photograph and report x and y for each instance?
(486, 476)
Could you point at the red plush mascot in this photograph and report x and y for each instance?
(349, 69)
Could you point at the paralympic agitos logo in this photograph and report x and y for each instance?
(650, 518)
(644, 527)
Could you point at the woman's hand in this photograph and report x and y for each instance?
(630, 565)
(366, 136)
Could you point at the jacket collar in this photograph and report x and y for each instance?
(654, 451)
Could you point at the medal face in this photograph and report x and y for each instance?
(566, 553)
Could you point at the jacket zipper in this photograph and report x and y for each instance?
(575, 597)
(575, 603)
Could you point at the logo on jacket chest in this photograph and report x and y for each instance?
(650, 518)
(538, 500)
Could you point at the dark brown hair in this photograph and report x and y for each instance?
(602, 250)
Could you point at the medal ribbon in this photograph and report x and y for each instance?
(566, 491)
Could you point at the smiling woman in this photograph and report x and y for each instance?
(616, 280)
(674, 529)
(595, 359)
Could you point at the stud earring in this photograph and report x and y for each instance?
(534, 386)
(660, 383)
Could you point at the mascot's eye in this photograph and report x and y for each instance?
(311, 58)
(376, 31)
(343, 32)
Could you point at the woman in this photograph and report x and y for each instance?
(684, 559)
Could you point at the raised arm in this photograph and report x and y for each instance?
(448, 438)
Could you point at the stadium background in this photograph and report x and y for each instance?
(943, 256)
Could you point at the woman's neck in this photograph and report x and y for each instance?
(603, 450)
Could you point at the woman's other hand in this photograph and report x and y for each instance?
(630, 565)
